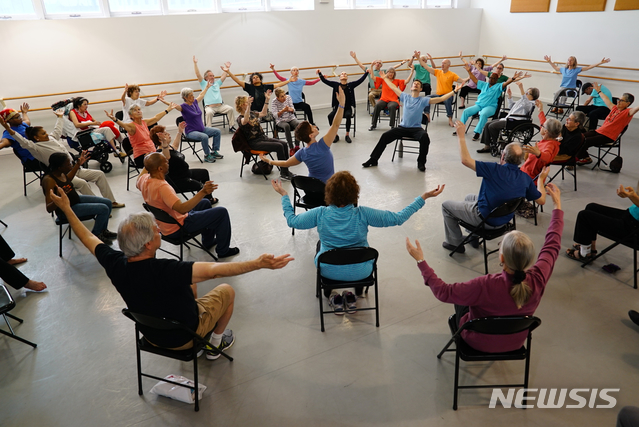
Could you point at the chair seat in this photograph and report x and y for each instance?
(183, 355)
(469, 354)
(60, 221)
(337, 284)
(488, 233)
(561, 159)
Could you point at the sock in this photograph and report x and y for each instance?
(585, 250)
(216, 339)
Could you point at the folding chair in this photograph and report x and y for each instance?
(400, 148)
(132, 171)
(184, 237)
(217, 117)
(191, 143)
(506, 325)
(6, 305)
(566, 100)
(567, 164)
(631, 241)
(483, 234)
(162, 324)
(495, 116)
(60, 222)
(345, 256)
(441, 105)
(616, 145)
(39, 172)
(252, 156)
(313, 190)
(387, 117)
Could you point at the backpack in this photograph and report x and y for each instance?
(262, 168)
(616, 164)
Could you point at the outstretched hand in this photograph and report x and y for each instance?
(277, 186)
(415, 251)
(460, 127)
(553, 191)
(625, 192)
(353, 54)
(110, 115)
(24, 108)
(434, 193)
(539, 105)
(268, 94)
(60, 198)
(532, 149)
(341, 96)
(605, 60)
(547, 58)
(274, 263)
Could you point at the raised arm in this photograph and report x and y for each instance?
(60, 199)
(227, 69)
(247, 112)
(590, 67)
(410, 75)
(178, 137)
(443, 98)
(211, 270)
(359, 63)
(466, 160)
(341, 101)
(200, 97)
(503, 58)
(470, 74)
(280, 84)
(267, 98)
(276, 74)
(291, 161)
(390, 83)
(541, 115)
(541, 181)
(552, 64)
(603, 96)
(126, 89)
(628, 193)
(197, 70)
(396, 66)
(462, 58)
(423, 63)
(128, 127)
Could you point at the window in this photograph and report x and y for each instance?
(191, 5)
(11, 9)
(371, 4)
(241, 5)
(292, 4)
(72, 8)
(439, 3)
(407, 3)
(342, 4)
(134, 7)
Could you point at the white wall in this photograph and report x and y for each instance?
(589, 36)
(113, 51)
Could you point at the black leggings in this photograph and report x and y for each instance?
(11, 275)
(592, 139)
(307, 110)
(597, 219)
(348, 113)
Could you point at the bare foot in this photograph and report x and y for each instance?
(450, 123)
(15, 261)
(35, 286)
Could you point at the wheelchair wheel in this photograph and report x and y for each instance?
(106, 167)
(524, 133)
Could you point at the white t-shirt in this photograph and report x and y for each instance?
(128, 103)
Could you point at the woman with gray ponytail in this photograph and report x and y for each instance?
(515, 291)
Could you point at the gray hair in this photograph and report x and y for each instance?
(553, 127)
(519, 254)
(135, 231)
(579, 117)
(514, 154)
(133, 107)
(534, 92)
(186, 92)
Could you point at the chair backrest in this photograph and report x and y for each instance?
(308, 184)
(344, 256)
(505, 325)
(506, 208)
(119, 115)
(161, 215)
(126, 146)
(6, 301)
(179, 120)
(621, 134)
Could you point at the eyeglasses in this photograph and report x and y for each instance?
(624, 100)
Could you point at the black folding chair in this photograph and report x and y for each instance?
(312, 196)
(143, 321)
(483, 234)
(61, 222)
(505, 325)
(607, 148)
(631, 240)
(346, 256)
(38, 171)
(6, 305)
(191, 143)
(184, 236)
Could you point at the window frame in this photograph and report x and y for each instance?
(156, 12)
(102, 4)
(216, 8)
(262, 8)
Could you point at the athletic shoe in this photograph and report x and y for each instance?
(450, 247)
(484, 150)
(336, 138)
(228, 339)
(476, 137)
(104, 239)
(421, 167)
(217, 155)
(585, 161)
(117, 205)
(634, 316)
(110, 234)
(337, 304)
(348, 139)
(372, 128)
(209, 158)
(350, 300)
(369, 163)
(230, 252)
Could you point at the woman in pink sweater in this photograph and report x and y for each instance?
(515, 291)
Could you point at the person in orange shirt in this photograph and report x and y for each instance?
(389, 99)
(445, 79)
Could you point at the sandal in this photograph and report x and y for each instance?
(577, 247)
(574, 254)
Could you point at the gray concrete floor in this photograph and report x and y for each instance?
(286, 372)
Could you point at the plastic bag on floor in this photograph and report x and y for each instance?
(183, 394)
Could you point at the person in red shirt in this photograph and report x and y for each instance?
(619, 117)
(389, 99)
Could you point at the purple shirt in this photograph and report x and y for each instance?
(489, 295)
(193, 117)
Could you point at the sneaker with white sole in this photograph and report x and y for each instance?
(228, 339)
(350, 301)
(337, 304)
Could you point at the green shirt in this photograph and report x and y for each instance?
(421, 73)
(501, 78)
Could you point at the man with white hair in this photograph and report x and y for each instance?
(213, 98)
(167, 288)
(501, 182)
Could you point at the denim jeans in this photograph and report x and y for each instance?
(203, 137)
(93, 205)
(214, 223)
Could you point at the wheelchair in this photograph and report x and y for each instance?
(519, 128)
(98, 152)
